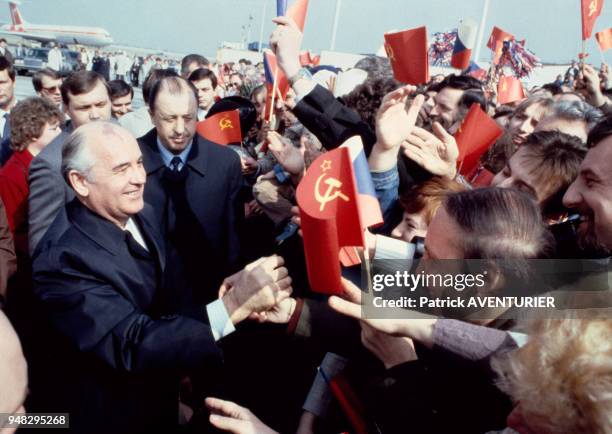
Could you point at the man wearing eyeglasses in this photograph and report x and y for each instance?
(47, 83)
(234, 85)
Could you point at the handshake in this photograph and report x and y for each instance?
(256, 289)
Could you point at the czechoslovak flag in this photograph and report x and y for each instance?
(464, 44)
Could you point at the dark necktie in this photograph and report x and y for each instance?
(175, 163)
(7, 127)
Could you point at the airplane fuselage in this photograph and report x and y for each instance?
(94, 36)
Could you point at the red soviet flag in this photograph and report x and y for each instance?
(222, 128)
(604, 39)
(327, 198)
(476, 134)
(498, 35)
(496, 42)
(590, 9)
(297, 11)
(407, 52)
(509, 89)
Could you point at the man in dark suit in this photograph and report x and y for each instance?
(7, 102)
(120, 346)
(193, 185)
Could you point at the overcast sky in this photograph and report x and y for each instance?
(551, 27)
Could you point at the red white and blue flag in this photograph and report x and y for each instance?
(369, 207)
(296, 11)
(464, 44)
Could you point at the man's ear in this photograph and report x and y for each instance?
(79, 183)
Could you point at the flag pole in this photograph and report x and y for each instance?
(274, 88)
(332, 46)
(261, 29)
(483, 21)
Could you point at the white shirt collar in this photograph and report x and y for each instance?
(133, 229)
(167, 156)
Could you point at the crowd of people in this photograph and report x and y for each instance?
(152, 280)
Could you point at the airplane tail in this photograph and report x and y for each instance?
(15, 14)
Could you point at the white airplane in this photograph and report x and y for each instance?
(94, 36)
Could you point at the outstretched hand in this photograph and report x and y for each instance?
(233, 418)
(437, 153)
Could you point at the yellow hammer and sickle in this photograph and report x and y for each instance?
(225, 123)
(390, 52)
(504, 86)
(592, 7)
(330, 194)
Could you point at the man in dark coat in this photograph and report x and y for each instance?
(122, 339)
(193, 185)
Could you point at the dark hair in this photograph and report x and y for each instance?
(498, 223)
(503, 110)
(460, 82)
(28, 119)
(152, 78)
(193, 58)
(173, 85)
(375, 66)
(119, 88)
(600, 131)
(365, 99)
(559, 156)
(81, 82)
(553, 88)
(46, 72)
(202, 74)
(472, 96)
(6, 65)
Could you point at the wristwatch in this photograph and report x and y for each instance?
(302, 73)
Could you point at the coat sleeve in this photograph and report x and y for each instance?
(235, 211)
(47, 197)
(100, 320)
(331, 121)
(8, 262)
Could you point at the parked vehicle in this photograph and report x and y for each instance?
(36, 59)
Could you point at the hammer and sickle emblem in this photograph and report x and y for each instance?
(504, 86)
(225, 123)
(592, 7)
(390, 53)
(330, 194)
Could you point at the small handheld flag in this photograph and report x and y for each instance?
(297, 11)
(222, 128)
(591, 9)
(407, 51)
(509, 90)
(327, 198)
(476, 134)
(464, 44)
(604, 39)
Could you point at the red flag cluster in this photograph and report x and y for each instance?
(407, 52)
